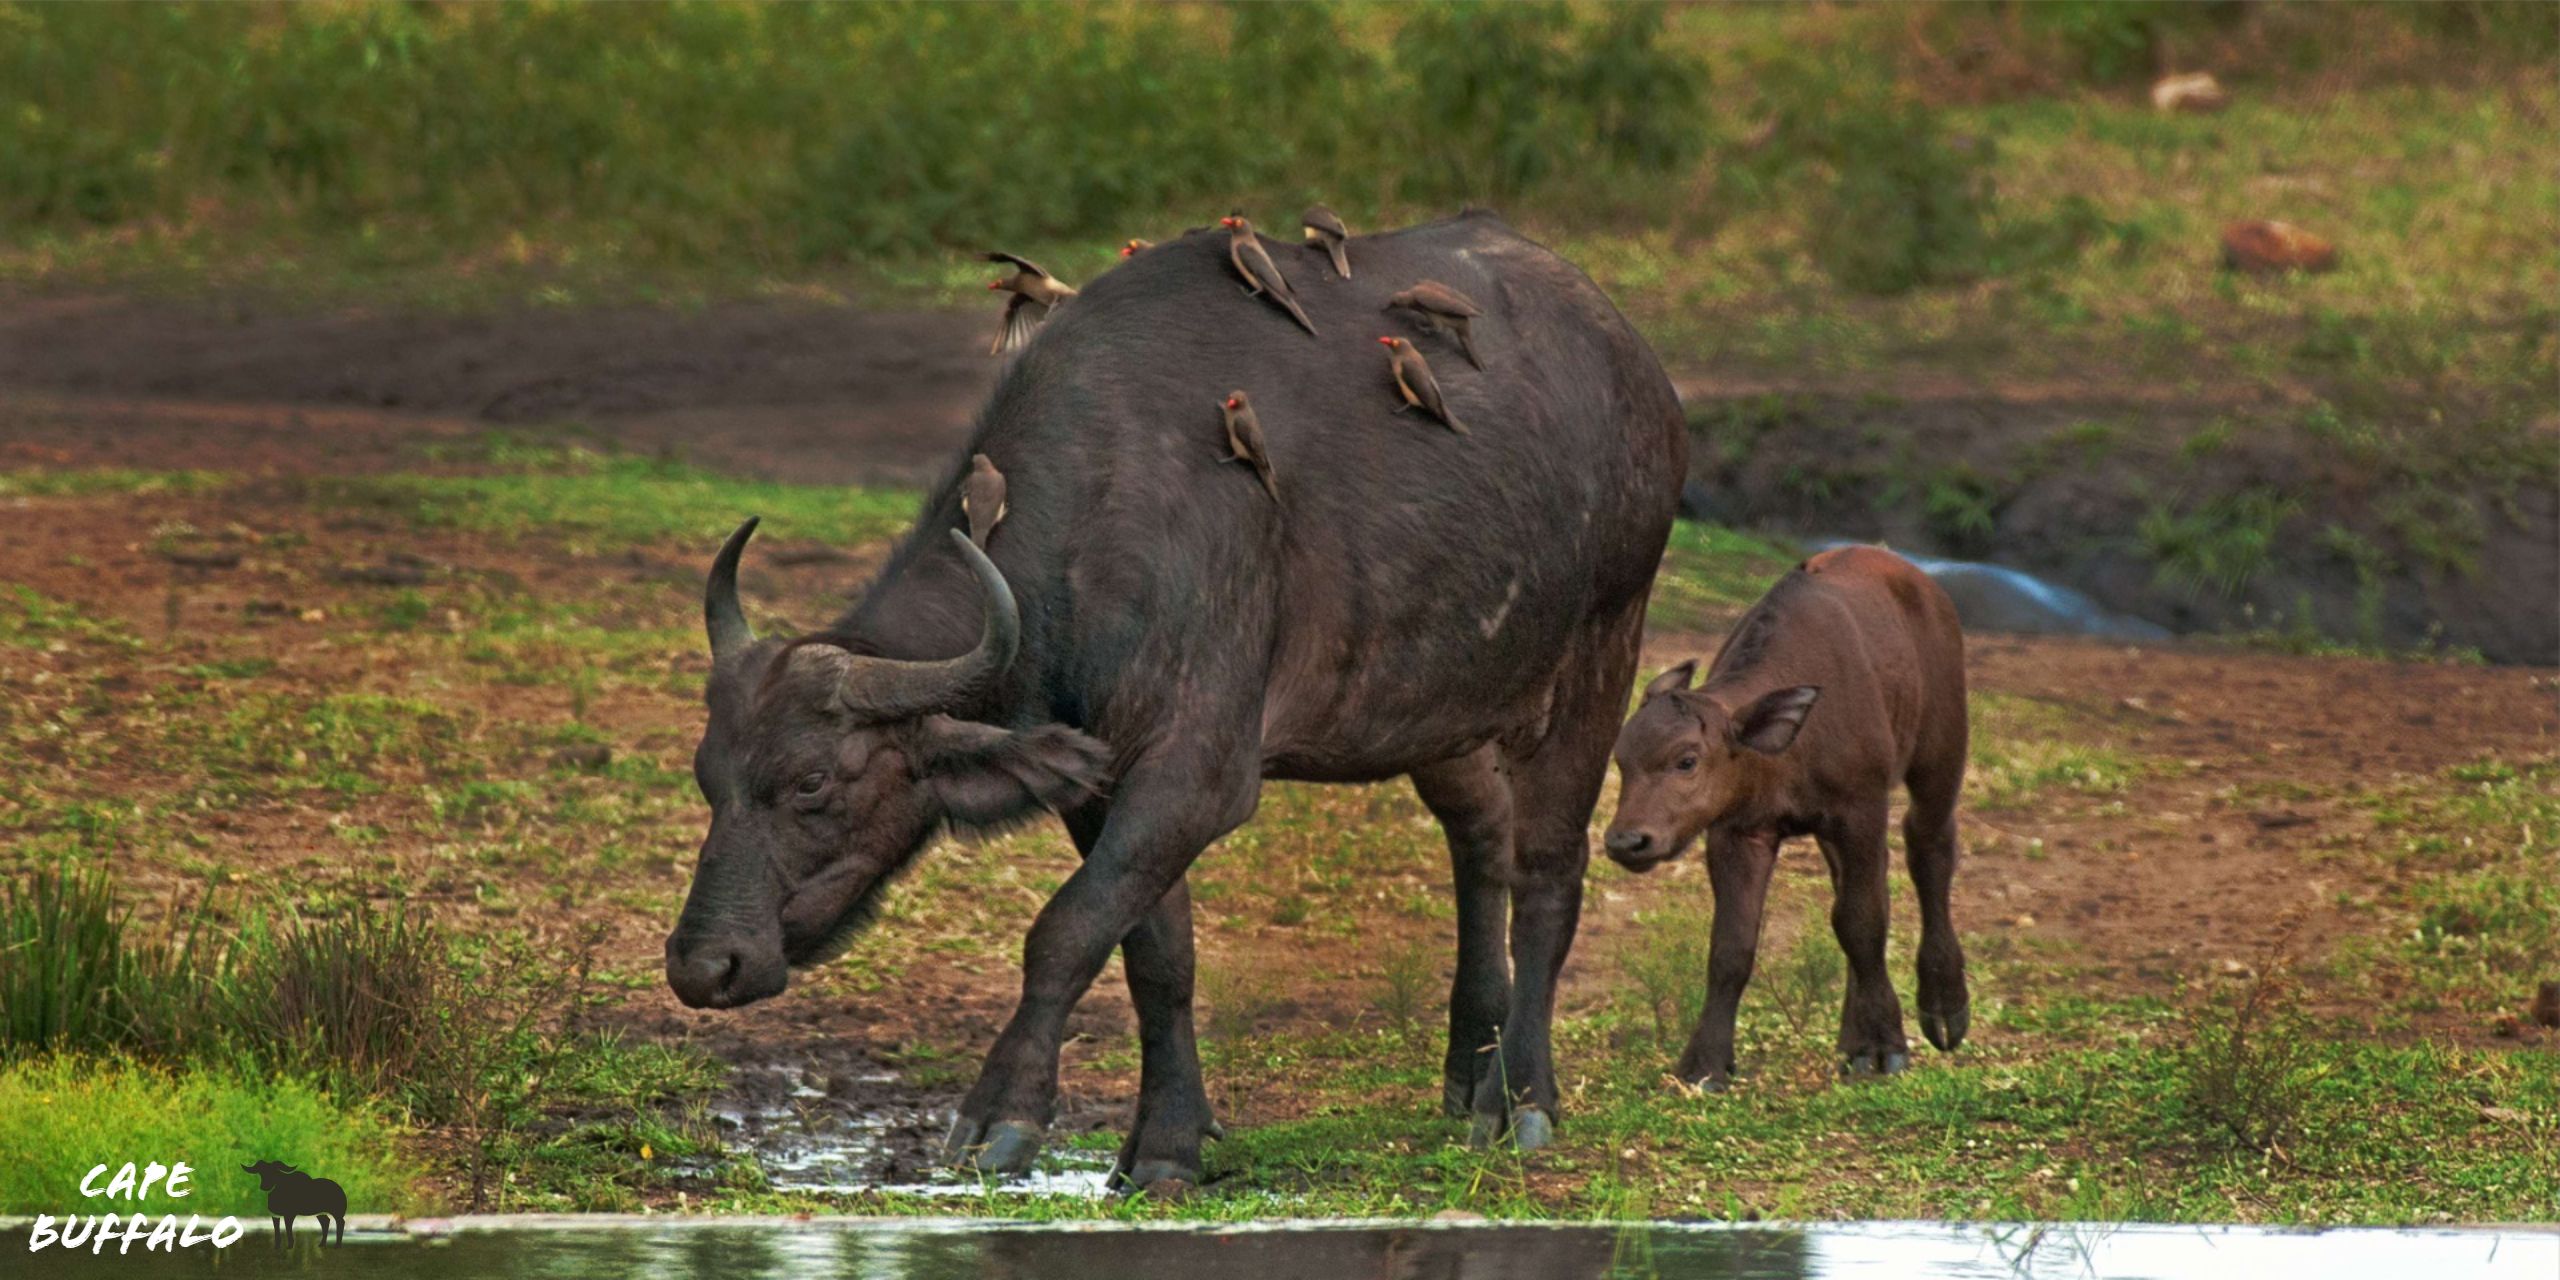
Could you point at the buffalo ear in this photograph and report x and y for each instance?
(1771, 721)
(987, 777)
(1673, 680)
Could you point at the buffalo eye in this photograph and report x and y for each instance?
(811, 785)
(1687, 764)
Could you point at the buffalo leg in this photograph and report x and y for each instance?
(1929, 845)
(1473, 804)
(1738, 870)
(1166, 809)
(1555, 784)
(1871, 1015)
(1173, 1103)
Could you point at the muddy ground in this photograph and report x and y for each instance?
(2263, 761)
(2054, 477)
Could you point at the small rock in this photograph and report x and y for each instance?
(202, 557)
(398, 569)
(583, 755)
(2264, 248)
(2196, 92)
(2024, 921)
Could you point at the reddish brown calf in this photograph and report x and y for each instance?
(1846, 678)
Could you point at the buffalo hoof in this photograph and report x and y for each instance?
(1486, 1131)
(1882, 1062)
(1531, 1129)
(1711, 1084)
(1946, 1030)
(1005, 1148)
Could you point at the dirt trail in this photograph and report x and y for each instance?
(776, 390)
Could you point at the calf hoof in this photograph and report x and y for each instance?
(1005, 1148)
(1161, 1180)
(1867, 1066)
(1946, 1030)
(1531, 1129)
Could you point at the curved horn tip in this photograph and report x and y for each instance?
(722, 616)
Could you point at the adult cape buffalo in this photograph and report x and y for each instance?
(1154, 636)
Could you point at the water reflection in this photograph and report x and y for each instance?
(854, 1249)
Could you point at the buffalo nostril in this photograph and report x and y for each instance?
(706, 976)
(1623, 843)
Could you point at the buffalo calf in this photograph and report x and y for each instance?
(1846, 678)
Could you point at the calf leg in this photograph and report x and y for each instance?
(1555, 784)
(1871, 1015)
(1473, 804)
(1167, 808)
(1929, 846)
(1738, 869)
(1173, 1113)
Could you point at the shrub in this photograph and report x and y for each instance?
(2251, 1064)
(61, 1115)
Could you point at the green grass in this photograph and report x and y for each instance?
(62, 1115)
(1710, 574)
(430, 775)
(89, 481)
(2039, 1128)
(596, 502)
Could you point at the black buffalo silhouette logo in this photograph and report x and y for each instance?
(292, 1193)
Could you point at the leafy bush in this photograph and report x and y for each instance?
(2222, 543)
(813, 132)
(1908, 206)
(62, 1115)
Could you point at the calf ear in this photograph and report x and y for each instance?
(1771, 721)
(1673, 680)
(988, 777)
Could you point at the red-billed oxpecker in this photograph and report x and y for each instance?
(1034, 292)
(982, 498)
(1847, 678)
(1441, 307)
(1244, 440)
(1325, 231)
(1261, 278)
(1415, 383)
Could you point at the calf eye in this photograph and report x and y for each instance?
(1688, 764)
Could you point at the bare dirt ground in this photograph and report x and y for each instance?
(2192, 864)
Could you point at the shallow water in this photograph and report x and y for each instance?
(1992, 597)
(908, 1249)
(806, 1141)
